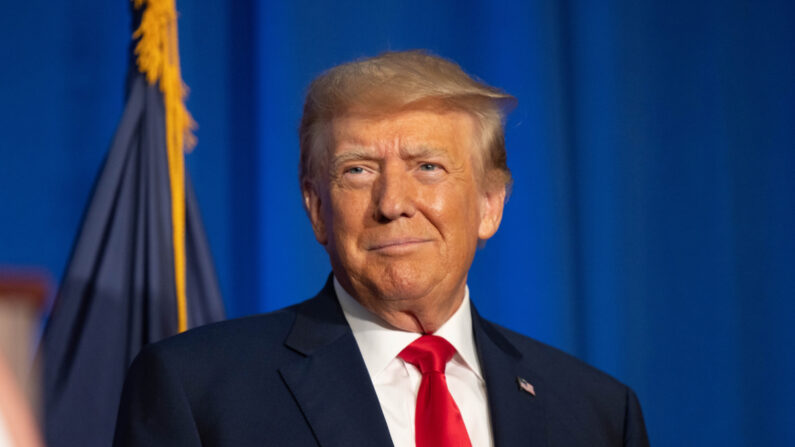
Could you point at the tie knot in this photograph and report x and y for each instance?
(429, 353)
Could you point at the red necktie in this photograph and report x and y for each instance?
(438, 422)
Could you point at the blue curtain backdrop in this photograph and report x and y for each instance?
(651, 231)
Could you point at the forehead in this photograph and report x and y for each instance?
(447, 130)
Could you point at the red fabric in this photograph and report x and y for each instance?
(438, 422)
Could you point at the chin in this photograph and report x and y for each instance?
(404, 283)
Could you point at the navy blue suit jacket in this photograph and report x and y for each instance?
(295, 377)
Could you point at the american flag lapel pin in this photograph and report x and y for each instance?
(526, 386)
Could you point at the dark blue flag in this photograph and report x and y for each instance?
(120, 289)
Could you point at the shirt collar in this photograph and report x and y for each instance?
(379, 342)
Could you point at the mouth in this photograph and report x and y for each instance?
(397, 245)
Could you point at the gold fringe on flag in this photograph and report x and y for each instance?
(157, 53)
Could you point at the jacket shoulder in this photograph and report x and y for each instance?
(584, 406)
(558, 367)
(227, 343)
(217, 384)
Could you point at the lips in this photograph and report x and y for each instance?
(397, 244)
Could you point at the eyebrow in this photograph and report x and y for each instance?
(413, 153)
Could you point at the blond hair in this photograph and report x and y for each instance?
(396, 81)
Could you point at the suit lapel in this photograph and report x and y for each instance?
(331, 383)
(517, 417)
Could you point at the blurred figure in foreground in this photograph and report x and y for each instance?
(17, 426)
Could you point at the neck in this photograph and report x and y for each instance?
(415, 319)
(424, 315)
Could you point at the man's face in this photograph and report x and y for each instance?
(403, 208)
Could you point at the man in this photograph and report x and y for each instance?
(403, 174)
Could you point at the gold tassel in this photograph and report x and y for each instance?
(157, 54)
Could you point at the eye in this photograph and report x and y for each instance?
(354, 170)
(429, 167)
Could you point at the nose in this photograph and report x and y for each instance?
(395, 195)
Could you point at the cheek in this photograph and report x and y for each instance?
(346, 216)
(454, 213)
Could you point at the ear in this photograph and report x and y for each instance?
(313, 206)
(492, 202)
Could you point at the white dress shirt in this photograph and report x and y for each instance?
(397, 382)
